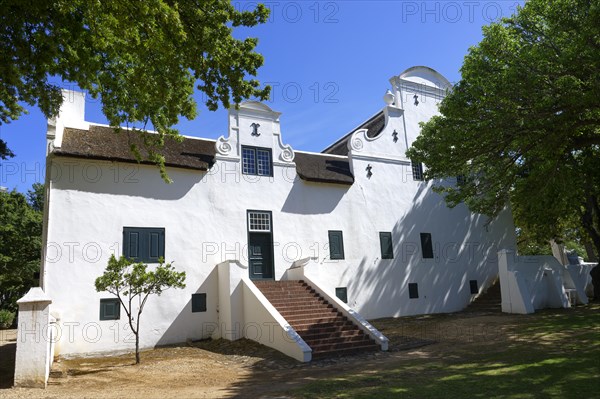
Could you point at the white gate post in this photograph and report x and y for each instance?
(32, 361)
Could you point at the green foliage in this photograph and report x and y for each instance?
(131, 282)
(523, 124)
(142, 58)
(6, 318)
(20, 247)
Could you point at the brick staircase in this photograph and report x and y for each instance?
(321, 326)
(488, 302)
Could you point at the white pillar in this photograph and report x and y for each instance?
(32, 363)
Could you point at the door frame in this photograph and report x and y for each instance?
(272, 249)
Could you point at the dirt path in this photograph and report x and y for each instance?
(244, 369)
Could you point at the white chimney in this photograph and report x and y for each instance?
(71, 114)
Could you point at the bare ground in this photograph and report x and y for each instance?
(211, 369)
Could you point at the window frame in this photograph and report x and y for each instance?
(413, 291)
(198, 302)
(417, 170)
(341, 255)
(386, 235)
(141, 240)
(342, 294)
(116, 302)
(426, 246)
(255, 165)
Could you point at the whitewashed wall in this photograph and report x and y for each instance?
(204, 215)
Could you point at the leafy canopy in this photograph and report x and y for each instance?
(523, 124)
(20, 243)
(142, 58)
(131, 282)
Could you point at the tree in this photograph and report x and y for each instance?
(129, 281)
(35, 196)
(20, 247)
(523, 123)
(142, 58)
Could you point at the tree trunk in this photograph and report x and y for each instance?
(591, 254)
(591, 224)
(137, 348)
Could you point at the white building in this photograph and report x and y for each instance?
(377, 234)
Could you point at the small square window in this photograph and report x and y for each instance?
(385, 242)
(417, 170)
(110, 309)
(257, 161)
(426, 246)
(342, 294)
(413, 290)
(198, 302)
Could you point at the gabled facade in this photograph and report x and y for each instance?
(375, 233)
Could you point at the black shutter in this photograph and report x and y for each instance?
(413, 290)
(198, 302)
(110, 309)
(342, 293)
(144, 244)
(473, 286)
(336, 245)
(385, 242)
(426, 246)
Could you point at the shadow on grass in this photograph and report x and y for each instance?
(7, 364)
(554, 353)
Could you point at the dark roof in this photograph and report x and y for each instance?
(101, 142)
(323, 168)
(374, 126)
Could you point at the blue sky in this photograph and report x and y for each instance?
(329, 63)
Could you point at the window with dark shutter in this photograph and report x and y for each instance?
(198, 302)
(474, 287)
(110, 309)
(385, 242)
(144, 244)
(342, 293)
(413, 290)
(426, 246)
(336, 245)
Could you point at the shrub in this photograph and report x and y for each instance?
(6, 318)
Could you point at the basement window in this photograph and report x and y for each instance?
(110, 309)
(342, 294)
(198, 302)
(473, 286)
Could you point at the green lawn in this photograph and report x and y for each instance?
(551, 354)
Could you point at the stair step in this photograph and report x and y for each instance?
(337, 340)
(317, 321)
(344, 352)
(316, 311)
(342, 345)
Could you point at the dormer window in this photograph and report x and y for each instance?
(257, 161)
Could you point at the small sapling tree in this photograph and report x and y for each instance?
(132, 282)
